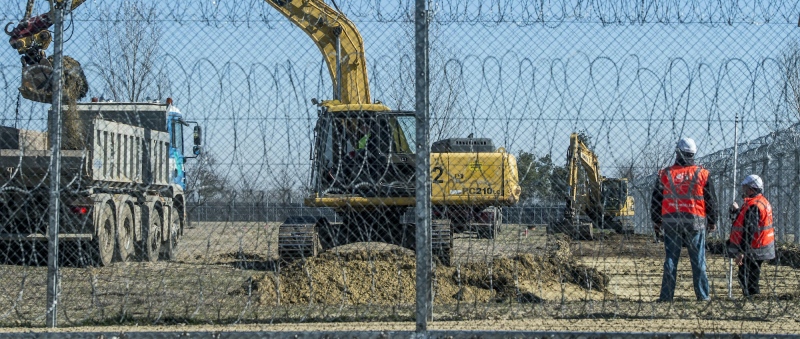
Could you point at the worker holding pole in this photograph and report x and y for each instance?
(752, 238)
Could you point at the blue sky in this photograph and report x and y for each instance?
(249, 75)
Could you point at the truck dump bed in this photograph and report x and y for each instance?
(117, 154)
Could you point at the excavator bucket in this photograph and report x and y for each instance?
(37, 84)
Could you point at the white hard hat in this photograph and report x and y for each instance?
(686, 145)
(753, 181)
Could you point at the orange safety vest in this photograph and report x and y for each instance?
(683, 190)
(764, 238)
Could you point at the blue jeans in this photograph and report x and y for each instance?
(695, 241)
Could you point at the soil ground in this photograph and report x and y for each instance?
(227, 273)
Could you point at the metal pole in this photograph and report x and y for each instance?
(780, 202)
(733, 194)
(423, 172)
(53, 278)
(796, 194)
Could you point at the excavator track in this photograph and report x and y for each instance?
(298, 238)
(303, 237)
(578, 230)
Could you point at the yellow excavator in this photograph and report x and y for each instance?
(363, 159)
(592, 201)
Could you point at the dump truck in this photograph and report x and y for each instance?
(122, 193)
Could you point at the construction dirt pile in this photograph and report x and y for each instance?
(37, 85)
(787, 254)
(388, 278)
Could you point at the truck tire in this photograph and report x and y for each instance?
(151, 241)
(169, 249)
(125, 241)
(103, 243)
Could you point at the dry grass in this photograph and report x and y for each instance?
(222, 270)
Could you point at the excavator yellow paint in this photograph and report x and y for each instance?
(322, 24)
(455, 180)
(338, 106)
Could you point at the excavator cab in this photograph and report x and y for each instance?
(614, 193)
(364, 153)
(618, 205)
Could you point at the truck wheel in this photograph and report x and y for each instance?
(125, 249)
(151, 242)
(103, 244)
(170, 247)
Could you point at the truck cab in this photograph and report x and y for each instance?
(177, 157)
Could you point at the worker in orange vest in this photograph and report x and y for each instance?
(752, 237)
(683, 201)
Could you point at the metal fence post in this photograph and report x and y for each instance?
(423, 184)
(796, 193)
(53, 279)
(779, 201)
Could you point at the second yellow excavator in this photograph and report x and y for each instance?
(592, 201)
(364, 155)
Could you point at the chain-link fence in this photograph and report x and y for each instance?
(253, 162)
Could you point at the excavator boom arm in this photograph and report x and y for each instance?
(581, 156)
(324, 25)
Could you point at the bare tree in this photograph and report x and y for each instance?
(204, 183)
(446, 87)
(127, 52)
(284, 190)
(656, 155)
(790, 62)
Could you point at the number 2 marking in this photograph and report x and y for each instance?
(438, 170)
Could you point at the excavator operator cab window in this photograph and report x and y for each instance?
(614, 194)
(403, 134)
(359, 151)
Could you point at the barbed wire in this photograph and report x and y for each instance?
(634, 76)
(691, 95)
(519, 12)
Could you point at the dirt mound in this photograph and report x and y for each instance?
(786, 254)
(37, 85)
(388, 278)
